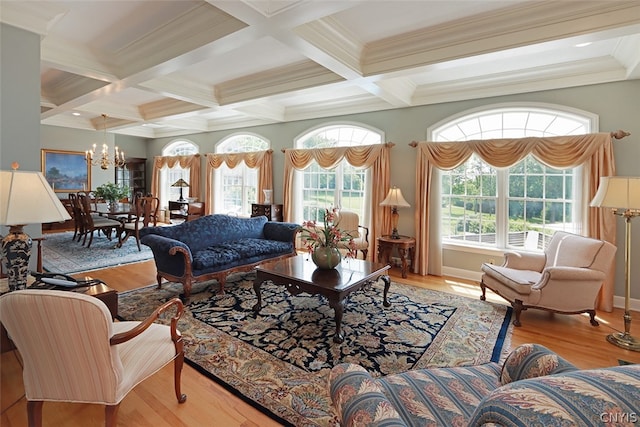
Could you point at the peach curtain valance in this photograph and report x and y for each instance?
(363, 156)
(557, 152)
(261, 160)
(191, 162)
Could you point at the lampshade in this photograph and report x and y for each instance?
(27, 198)
(180, 183)
(618, 192)
(394, 198)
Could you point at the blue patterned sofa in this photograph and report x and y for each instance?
(533, 387)
(213, 246)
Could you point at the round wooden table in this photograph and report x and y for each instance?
(405, 245)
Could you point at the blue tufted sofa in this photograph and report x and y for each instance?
(213, 246)
(534, 387)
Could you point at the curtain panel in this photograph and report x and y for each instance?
(375, 157)
(191, 162)
(593, 151)
(261, 160)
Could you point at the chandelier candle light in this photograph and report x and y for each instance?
(20, 192)
(622, 193)
(395, 200)
(104, 161)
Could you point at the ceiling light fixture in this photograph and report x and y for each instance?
(104, 161)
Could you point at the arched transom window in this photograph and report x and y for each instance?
(520, 206)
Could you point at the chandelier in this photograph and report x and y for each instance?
(104, 161)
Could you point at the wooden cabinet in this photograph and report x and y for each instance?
(185, 211)
(273, 212)
(134, 175)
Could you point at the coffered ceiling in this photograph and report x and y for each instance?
(176, 67)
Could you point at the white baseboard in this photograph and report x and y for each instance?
(618, 301)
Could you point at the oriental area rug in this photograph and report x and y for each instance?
(61, 254)
(279, 360)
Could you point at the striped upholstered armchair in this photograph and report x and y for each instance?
(534, 386)
(74, 352)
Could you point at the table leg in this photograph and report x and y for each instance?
(338, 308)
(387, 285)
(256, 287)
(403, 258)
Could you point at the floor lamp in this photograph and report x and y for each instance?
(622, 193)
(25, 198)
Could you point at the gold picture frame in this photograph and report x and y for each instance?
(66, 171)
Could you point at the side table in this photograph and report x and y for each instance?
(406, 249)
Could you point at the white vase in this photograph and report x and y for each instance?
(267, 196)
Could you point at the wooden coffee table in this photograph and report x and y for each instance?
(299, 274)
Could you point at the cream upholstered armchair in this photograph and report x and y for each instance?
(566, 278)
(349, 222)
(72, 351)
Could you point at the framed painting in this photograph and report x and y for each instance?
(66, 171)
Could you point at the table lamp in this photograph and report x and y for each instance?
(25, 198)
(622, 193)
(181, 183)
(394, 199)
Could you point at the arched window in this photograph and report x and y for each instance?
(170, 176)
(236, 189)
(342, 187)
(516, 207)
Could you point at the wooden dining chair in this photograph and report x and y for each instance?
(92, 223)
(146, 215)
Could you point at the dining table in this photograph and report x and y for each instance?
(114, 210)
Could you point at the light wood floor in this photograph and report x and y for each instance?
(153, 403)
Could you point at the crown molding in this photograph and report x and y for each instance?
(516, 26)
(292, 77)
(200, 26)
(577, 73)
(35, 17)
(262, 110)
(333, 39)
(182, 89)
(167, 107)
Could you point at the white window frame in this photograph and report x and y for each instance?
(228, 145)
(168, 176)
(589, 120)
(364, 210)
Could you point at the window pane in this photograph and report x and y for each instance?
(343, 186)
(538, 199)
(237, 188)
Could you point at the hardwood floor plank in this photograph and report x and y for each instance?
(153, 403)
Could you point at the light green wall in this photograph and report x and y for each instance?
(616, 104)
(59, 138)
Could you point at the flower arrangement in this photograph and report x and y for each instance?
(328, 235)
(111, 192)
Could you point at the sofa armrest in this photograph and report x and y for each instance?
(170, 255)
(281, 231)
(533, 261)
(592, 397)
(358, 399)
(530, 361)
(578, 274)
